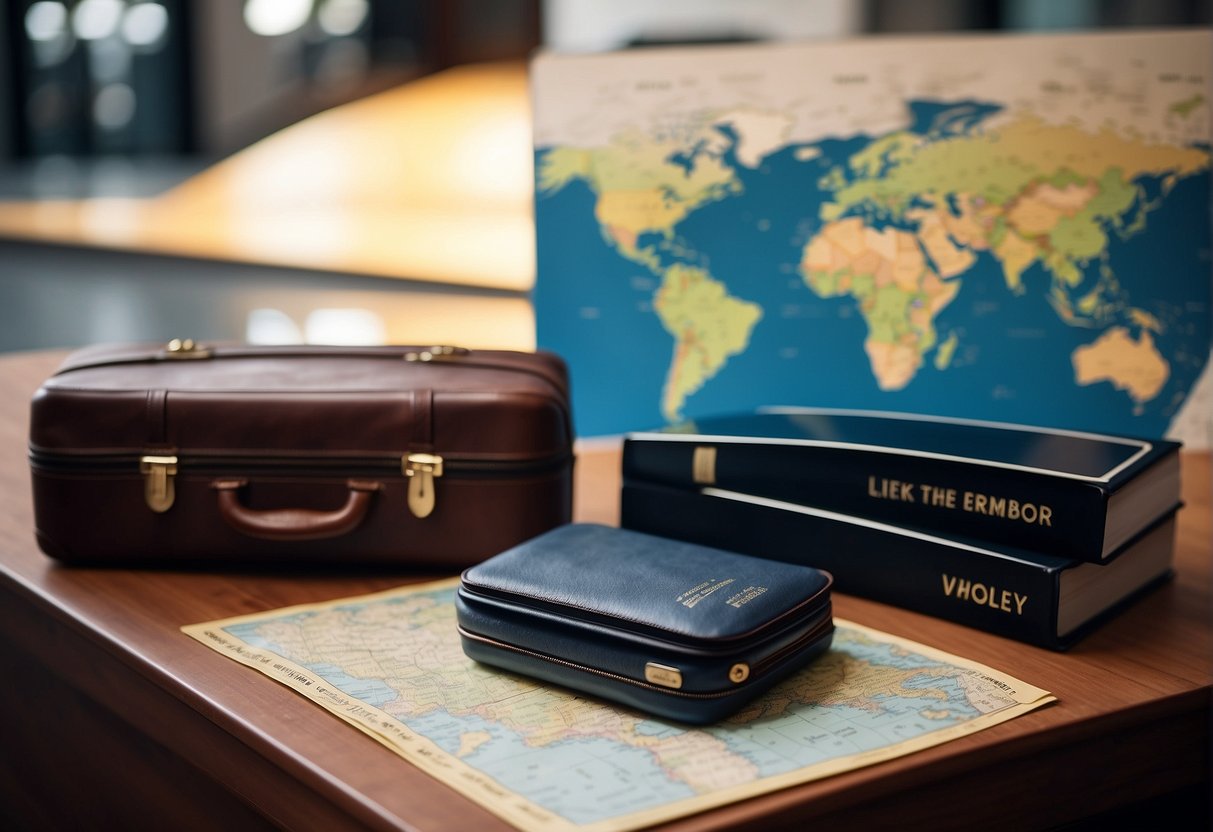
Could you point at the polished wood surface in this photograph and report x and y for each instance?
(112, 716)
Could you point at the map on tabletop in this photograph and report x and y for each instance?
(545, 758)
(1003, 227)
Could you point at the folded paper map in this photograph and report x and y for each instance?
(545, 758)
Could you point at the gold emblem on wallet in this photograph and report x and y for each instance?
(660, 674)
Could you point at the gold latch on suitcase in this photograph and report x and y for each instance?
(435, 353)
(158, 472)
(421, 470)
(185, 348)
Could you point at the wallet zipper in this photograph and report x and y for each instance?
(825, 625)
(729, 643)
(817, 631)
(492, 642)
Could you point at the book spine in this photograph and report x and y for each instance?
(1006, 596)
(1032, 511)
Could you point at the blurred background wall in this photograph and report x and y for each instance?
(159, 87)
(106, 100)
(122, 95)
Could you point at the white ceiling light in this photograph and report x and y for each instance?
(271, 18)
(145, 24)
(96, 19)
(45, 21)
(342, 17)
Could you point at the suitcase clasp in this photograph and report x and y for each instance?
(421, 470)
(435, 353)
(185, 348)
(158, 488)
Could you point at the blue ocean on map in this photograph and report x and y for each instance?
(587, 778)
(583, 779)
(1012, 360)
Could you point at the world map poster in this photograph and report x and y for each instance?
(548, 759)
(1003, 227)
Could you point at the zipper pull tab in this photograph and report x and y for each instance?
(421, 469)
(158, 489)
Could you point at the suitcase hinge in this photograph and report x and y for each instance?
(421, 469)
(158, 472)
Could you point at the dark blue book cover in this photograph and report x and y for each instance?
(1072, 494)
(1041, 599)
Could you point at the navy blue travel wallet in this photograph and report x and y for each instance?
(680, 630)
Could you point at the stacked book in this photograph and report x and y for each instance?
(1032, 533)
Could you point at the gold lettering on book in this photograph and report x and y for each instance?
(984, 595)
(935, 496)
(973, 502)
(1008, 508)
(884, 489)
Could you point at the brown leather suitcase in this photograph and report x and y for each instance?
(433, 457)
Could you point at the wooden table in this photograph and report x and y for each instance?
(114, 719)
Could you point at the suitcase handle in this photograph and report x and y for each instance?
(294, 523)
